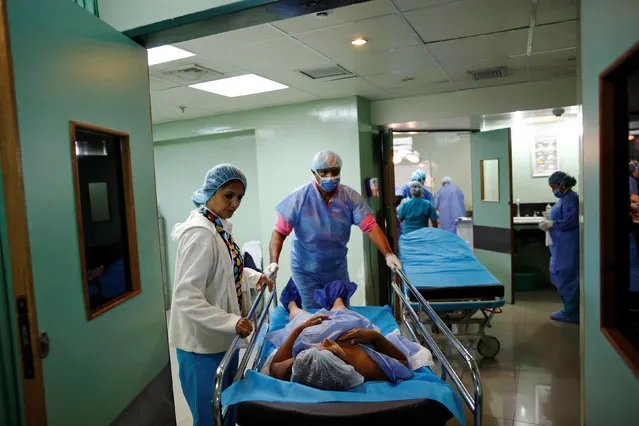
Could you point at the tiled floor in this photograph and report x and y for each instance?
(534, 380)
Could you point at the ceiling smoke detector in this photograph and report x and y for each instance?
(487, 73)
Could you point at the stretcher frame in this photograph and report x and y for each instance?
(473, 399)
(461, 312)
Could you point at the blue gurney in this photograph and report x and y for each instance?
(257, 397)
(445, 271)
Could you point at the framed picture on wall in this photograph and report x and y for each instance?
(544, 156)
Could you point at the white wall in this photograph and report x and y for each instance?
(430, 110)
(531, 189)
(180, 168)
(287, 138)
(449, 154)
(124, 15)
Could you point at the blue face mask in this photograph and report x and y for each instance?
(329, 184)
(558, 193)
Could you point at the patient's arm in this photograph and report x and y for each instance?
(283, 360)
(381, 343)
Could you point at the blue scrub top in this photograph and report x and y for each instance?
(416, 213)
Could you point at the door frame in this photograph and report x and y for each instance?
(18, 259)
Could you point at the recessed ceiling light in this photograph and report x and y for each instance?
(243, 85)
(161, 54)
(359, 41)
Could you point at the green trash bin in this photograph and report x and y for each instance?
(526, 278)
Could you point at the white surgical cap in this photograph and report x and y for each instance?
(214, 180)
(322, 369)
(326, 160)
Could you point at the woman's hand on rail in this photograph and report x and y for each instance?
(359, 336)
(244, 327)
(264, 280)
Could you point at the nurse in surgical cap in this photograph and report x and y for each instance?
(322, 213)
(211, 290)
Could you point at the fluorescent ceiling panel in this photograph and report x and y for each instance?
(243, 85)
(161, 54)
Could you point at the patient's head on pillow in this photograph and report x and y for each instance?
(321, 369)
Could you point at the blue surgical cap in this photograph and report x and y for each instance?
(418, 175)
(446, 179)
(214, 180)
(326, 160)
(561, 178)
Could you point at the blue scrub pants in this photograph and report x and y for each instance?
(197, 375)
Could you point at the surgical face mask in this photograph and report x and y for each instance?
(329, 184)
(558, 193)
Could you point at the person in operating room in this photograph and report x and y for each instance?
(322, 213)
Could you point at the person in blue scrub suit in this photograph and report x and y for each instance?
(321, 214)
(563, 225)
(417, 176)
(633, 173)
(211, 292)
(449, 201)
(416, 212)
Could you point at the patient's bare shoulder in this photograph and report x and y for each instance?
(362, 363)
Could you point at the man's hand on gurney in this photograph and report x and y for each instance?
(244, 327)
(359, 336)
(262, 281)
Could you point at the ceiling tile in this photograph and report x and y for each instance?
(395, 80)
(157, 84)
(554, 60)
(549, 11)
(338, 16)
(367, 63)
(339, 88)
(406, 5)
(185, 96)
(468, 18)
(555, 36)
(384, 33)
(213, 43)
(281, 52)
(474, 49)
(425, 89)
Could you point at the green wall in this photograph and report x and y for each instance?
(608, 29)
(180, 167)
(287, 138)
(69, 65)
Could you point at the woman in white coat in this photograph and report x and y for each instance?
(211, 289)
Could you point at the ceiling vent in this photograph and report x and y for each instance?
(486, 73)
(190, 74)
(334, 72)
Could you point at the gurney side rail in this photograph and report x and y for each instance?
(474, 402)
(262, 326)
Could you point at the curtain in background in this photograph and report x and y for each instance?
(90, 5)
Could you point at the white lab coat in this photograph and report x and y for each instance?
(205, 309)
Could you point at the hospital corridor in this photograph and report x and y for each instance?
(326, 212)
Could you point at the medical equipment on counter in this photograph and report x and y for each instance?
(274, 401)
(457, 286)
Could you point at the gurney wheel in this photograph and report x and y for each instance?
(488, 347)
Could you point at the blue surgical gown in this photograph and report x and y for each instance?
(564, 251)
(634, 264)
(321, 232)
(449, 200)
(405, 192)
(632, 183)
(416, 212)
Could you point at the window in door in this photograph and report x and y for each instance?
(105, 216)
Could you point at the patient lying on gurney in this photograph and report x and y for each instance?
(338, 349)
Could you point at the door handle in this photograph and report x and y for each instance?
(45, 345)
